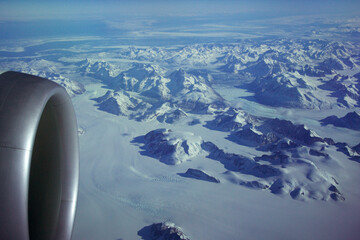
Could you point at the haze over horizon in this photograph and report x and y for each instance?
(21, 19)
(216, 116)
(95, 9)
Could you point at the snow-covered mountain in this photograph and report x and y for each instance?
(167, 98)
(286, 90)
(162, 112)
(199, 174)
(238, 163)
(291, 173)
(97, 69)
(120, 103)
(162, 231)
(194, 93)
(291, 169)
(231, 120)
(259, 131)
(272, 130)
(345, 89)
(279, 56)
(146, 79)
(50, 70)
(165, 112)
(286, 73)
(350, 120)
(172, 147)
(136, 165)
(72, 87)
(294, 148)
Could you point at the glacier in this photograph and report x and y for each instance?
(217, 138)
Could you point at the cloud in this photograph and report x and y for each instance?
(131, 24)
(12, 49)
(145, 34)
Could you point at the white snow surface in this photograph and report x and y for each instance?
(121, 191)
(276, 187)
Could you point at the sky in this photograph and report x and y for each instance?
(21, 19)
(95, 9)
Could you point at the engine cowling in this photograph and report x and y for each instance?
(39, 159)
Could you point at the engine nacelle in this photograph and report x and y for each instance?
(39, 159)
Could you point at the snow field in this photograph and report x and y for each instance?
(121, 191)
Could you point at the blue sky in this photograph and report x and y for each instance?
(157, 18)
(65, 9)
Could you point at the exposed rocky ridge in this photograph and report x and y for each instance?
(120, 103)
(165, 112)
(96, 69)
(291, 168)
(347, 94)
(172, 147)
(231, 120)
(259, 131)
(238, 163)
(49, 70)
(285, 90)
(163, 231)
(285, 73)
(352, 152)
(279, 56)
(199, 174)
(167, 99)
(303, 71)
(72, 87)
(194, 93)
(147, 79)
(293, 148)
(357, 148)
(350, 120)
(172, 115)
(283, 172)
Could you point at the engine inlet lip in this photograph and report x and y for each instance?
(24, 100)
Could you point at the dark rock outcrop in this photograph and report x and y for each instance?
(162, 231)
(198, 174)
(350, 120)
